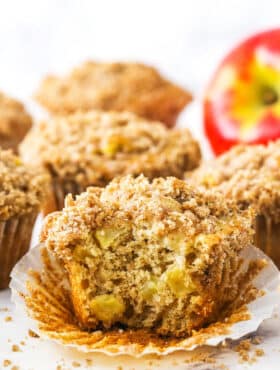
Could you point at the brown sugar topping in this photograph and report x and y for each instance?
(248, 174)
(22, 187)
(14, 122)
(130, 87)
(92, 148)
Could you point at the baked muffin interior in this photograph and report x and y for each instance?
(154, 255)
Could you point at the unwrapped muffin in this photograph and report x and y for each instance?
(250, 175)
(130, 87)
(14, 122)
(92, 148)
(22, 191)
(156, 255)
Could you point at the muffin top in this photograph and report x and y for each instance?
(131, 87)
(14, 121)
(163, 205)
(92, 148)
(248, 174)
(22, 188)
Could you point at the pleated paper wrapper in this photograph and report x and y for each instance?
(40, 290)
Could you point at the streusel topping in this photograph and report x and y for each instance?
(92, 148)
(131, 87)
(14, 120)
(22, 187)
(248, 174)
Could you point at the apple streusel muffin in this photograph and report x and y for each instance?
(14, 122)
(22, 191)
(92, 148)
(250, 175)
(149, 254)
(130, 87)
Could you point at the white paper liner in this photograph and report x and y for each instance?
(268, 280)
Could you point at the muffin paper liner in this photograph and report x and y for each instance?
(59, 190)
(268, 237)
(15, 236)
(40, 290)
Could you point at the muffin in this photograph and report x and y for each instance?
(22, 190)
(130, 87)
(155, 255)
(250, 175)
(92, 148)
(14, 122)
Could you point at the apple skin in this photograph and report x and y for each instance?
(242, 101)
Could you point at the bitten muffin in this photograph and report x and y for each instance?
(22, 191)
(92, 148)
(14, 122)
(130, 87)
(251, 176)
(149, 254)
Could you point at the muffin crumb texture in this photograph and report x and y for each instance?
(149, 254)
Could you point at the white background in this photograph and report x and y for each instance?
(184, 38)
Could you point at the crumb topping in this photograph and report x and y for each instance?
(92, 148)
(22, 187)
(131, 87)
(14, 121)
(248, 174)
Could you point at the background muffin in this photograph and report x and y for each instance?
(93, 148)
(156, 255)
(14, 122)
(250, 175)
(130, 87)
(22, 191)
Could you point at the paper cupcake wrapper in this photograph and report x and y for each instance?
(59, 190)
(40, 290)
(268, 238)
(15, 236)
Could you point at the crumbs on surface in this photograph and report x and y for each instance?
(245, 347)
(32, 334)
(76, 364)
(8, 318)
(16, 348)
(7, 363)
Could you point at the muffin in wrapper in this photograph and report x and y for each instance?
(90, 149)
(41, 292)
(22, 191)
(117, 259)
(250, 176)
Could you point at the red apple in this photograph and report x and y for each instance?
(242, 101)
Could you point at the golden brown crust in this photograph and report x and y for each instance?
(92, 148)
(184, 244)
(22, 187)
(14, 122)
(130, 87)
(248, 174)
